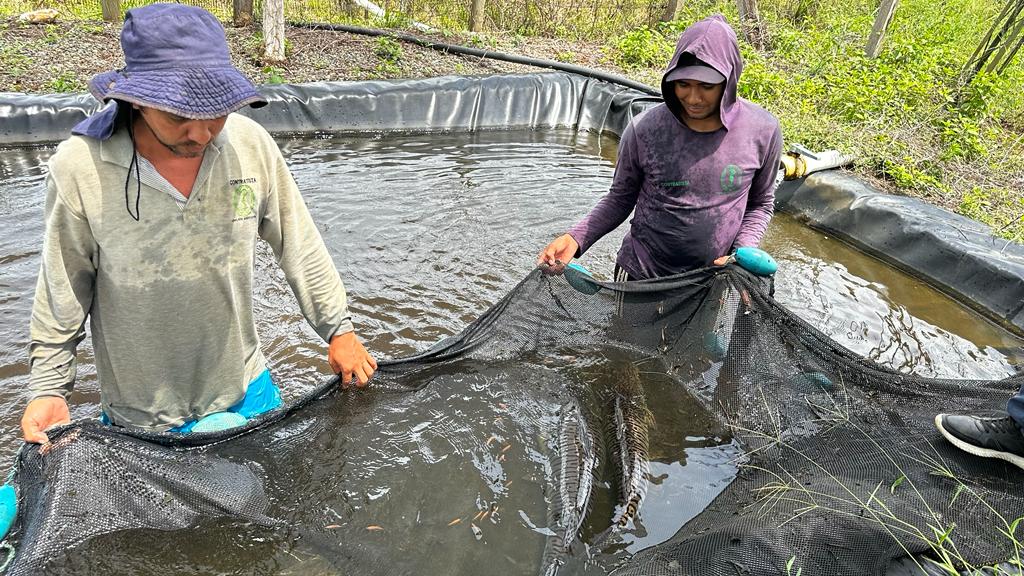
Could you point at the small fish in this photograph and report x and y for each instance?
(456, 521)
(374, 528)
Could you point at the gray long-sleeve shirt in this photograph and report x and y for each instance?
(169, 297)
(695, 196)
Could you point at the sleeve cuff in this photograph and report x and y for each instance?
(577, 235)
(49, 394)
(43, 381)
(343, 328)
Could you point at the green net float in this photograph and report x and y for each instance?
(714, 346)
(8, 508)
(756, 260)
(809, 379)
(219, 421)
(580, 278)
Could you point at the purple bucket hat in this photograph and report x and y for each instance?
(176, 60)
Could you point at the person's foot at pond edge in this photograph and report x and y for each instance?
(985, 436)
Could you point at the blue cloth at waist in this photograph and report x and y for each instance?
(261, 396)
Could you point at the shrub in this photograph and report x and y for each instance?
(66, 82)
(388, 50)
(642, 47)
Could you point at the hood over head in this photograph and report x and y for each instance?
(713, 43)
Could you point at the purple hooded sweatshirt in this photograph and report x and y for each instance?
(696, 195)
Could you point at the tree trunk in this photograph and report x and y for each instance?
(748, 10)
(1006, 36)
(750, 22)
(1002, 42)
(273, 30)
(242, 11)
(476, 16)
(351, 9)
(1009, 58)
(111, 10)
(882, 20)
(671, 7)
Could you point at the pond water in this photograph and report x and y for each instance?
(427, 232)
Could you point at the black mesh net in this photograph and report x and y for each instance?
(840, 469)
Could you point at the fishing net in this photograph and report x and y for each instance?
(839, 468)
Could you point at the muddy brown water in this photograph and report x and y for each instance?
(427, 232)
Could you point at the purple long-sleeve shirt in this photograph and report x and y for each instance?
(695, 195)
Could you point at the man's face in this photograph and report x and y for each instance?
(184, 137)
(699, 99)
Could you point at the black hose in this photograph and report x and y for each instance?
(456, 49)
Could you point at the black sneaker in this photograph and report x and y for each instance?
(989, 437)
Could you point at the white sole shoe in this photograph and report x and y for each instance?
(977, 450)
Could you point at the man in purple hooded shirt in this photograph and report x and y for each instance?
(697, 171)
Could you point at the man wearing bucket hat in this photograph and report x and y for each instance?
(698, 171)
(154, 207)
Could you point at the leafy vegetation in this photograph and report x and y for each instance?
(393, 19)
(913, 125)
(273, 75)
(643, 47)
(14, 60)
(66, 82)
(566, 56)
(390, 54)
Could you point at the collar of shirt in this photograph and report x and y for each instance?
(118, 150)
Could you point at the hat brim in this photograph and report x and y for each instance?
(699, 73)
(197, 93)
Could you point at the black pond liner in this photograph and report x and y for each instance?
(952, 253)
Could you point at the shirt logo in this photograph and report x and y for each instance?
(730, 179)
(244, 201)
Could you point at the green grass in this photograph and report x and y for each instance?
(14, 60)
(389, 55)
(66, 82)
